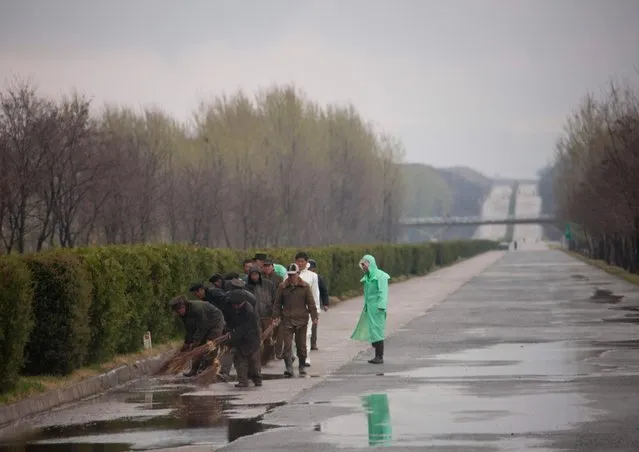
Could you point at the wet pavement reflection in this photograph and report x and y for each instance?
(537, 353)
(150, 415)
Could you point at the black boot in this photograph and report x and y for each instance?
(302, 365)
(379, 353)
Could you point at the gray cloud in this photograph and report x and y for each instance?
(482, 83)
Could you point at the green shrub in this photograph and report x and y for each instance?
(90, 304)
(16, 293)
(60, 338)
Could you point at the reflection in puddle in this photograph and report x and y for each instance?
(461, 397)
(141, 420)
(434, 412)
(380, 431)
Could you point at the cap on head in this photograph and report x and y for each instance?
(312, 263)
(236, 298)
(292, 269)
(268, 262)
(215, 278)
(176, 302)
(230, 276)
(196, 286)
(237, 283)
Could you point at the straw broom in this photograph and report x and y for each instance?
(215, 347)
(209, 375)
(180, 359)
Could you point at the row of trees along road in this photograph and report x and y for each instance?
(275, 169)
(596, 184)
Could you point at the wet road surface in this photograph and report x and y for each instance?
(520, 358)
(538, 352)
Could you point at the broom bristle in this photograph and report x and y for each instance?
(179, 360)
(177, 363)
(209, 375)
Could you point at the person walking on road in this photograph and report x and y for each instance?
(372, 322)
(301, 259)
(324, 300)
(293, 304)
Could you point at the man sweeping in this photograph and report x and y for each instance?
(246, 341)
(203, 322)
(372, 322)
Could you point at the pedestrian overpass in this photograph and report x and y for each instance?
(475, 221)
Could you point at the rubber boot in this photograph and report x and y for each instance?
(302, 366)
(379, 353)
(288, 372)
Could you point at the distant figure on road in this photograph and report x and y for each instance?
(372, 322)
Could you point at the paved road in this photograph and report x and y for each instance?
(527, 204)
(496, 205)
(518, 357)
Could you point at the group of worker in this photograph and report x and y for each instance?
(237, 309)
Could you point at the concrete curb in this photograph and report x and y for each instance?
(81, 390)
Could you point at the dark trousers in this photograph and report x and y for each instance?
(248, 366)
(314, 336)
(290, 332)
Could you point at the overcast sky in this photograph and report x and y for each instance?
(482, 83)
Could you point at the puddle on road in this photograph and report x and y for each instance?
(451, 416)
(605, 296)
(550, 359)
(628, 318)
(450, 408)
(143, 419)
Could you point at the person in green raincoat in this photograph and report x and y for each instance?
(372, 322)
(280, 270)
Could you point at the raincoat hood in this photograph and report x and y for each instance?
(372, 268)
(280, 270)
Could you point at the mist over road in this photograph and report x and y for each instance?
(528, 204)
(496, 205)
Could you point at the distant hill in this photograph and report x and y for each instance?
(438, 192)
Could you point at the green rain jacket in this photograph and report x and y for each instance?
(372, 322)
(280, 270)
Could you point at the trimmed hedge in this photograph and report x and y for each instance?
(16, 293)
(62, 309)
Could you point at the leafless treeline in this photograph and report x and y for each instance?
(271, 170)
(596, 176)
